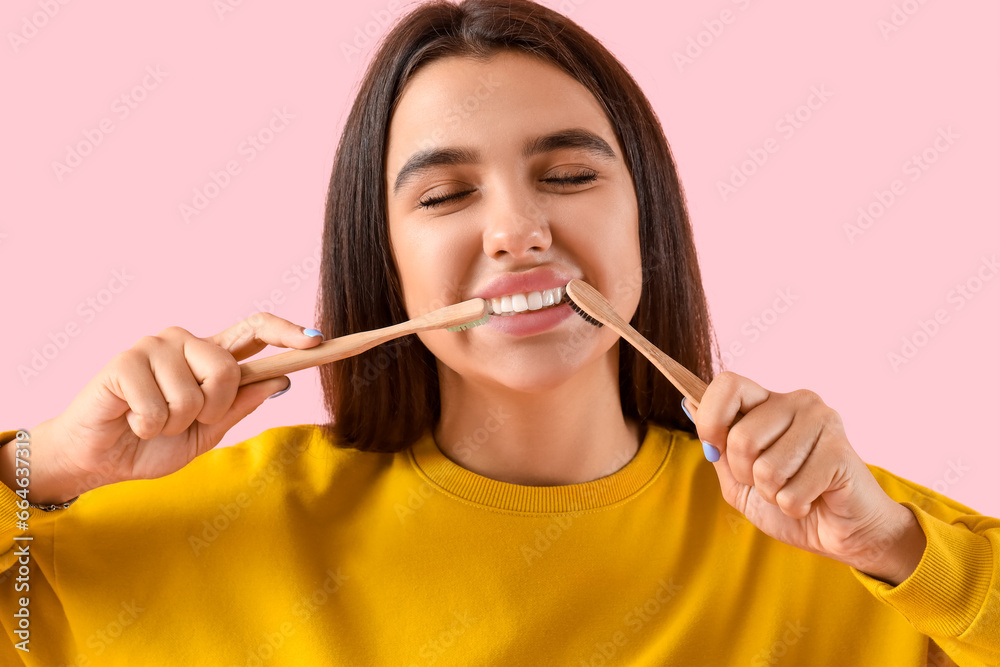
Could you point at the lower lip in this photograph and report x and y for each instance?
(530, 322)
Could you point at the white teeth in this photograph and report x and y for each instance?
(519, 303)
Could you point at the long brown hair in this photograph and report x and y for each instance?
(386, 398)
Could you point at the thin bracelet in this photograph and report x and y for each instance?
(56, 506)
(44, 508)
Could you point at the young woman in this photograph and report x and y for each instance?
(527, 492)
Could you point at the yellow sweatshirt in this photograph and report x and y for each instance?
(285, 550)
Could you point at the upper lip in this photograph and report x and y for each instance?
(534, 280)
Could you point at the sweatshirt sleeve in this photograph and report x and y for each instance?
(10, 511)
(953, 595)
(27, 580)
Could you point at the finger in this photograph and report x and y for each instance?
(218, 374)
(783, 459)
(147, 408)
(247, 338)
(820, 472)
(248, 399)
(726, 396)
(179, 388)
(755, 434)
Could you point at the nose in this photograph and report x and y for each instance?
(514, 232)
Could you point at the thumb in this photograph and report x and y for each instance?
(732, 489)
(248, 398)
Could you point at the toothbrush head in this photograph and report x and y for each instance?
(587, 317)
(468, 325)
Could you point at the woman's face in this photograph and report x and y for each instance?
(493, 137)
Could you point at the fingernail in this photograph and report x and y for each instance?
(279, 393)
(684, 408)
(313, 333)
(711, 453)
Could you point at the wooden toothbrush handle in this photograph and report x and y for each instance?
(296, 360)
(689, 384)
(356, 343)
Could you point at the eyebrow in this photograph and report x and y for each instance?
(578, 138)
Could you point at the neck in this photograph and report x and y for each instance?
(569, 434)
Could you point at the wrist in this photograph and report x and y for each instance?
(896, 550)
(42, 475)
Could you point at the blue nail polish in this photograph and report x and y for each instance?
(684, 408)
(313, 333)
(711, 453)
(279, 393)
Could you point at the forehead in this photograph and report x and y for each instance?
(493, 105)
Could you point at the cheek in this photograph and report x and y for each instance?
(429, 266)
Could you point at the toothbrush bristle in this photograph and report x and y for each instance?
(468, 325)
(582, 313)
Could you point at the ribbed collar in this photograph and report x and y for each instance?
(430, 461)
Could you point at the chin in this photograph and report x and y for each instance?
(529, 375)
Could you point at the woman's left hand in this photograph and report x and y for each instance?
(788, 467)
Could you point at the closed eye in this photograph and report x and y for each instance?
(578, 179)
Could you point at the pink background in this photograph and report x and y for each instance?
(930, 419)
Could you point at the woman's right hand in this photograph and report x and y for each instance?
(155, 407)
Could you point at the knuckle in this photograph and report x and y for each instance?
(807, 397)
(727, 379)
(765, 472)
(154, 416)
(127, 358)
(186, 401)
(787, 500)
(148, 344)
(260, 319)
(219, 364)
(174, 332)
(226, 370)
(741, 442)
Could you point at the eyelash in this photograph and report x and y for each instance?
(579, 179)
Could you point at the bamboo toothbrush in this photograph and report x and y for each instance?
(595, 309)
(457, 317)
